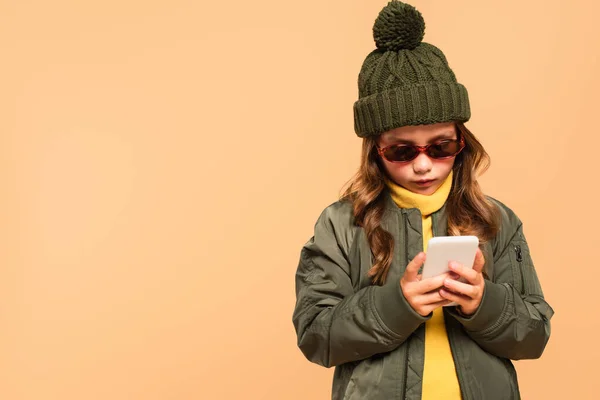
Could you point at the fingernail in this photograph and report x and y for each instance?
(452, 265)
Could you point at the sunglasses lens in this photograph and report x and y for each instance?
(405, 153)
(401, 153)
(444, 149)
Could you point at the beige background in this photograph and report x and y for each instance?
(164, 162)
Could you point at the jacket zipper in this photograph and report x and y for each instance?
(519, 258)
(519, 253)
(405, 377)
(459, 375)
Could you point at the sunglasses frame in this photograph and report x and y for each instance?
(420, 149)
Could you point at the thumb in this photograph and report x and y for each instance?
(479, 261)
(412, 269)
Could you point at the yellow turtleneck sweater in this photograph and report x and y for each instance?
(439, 375)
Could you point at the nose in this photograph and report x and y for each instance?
(422, 164)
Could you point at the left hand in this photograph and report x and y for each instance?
(467, 295)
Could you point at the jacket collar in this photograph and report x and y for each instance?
(439, 218)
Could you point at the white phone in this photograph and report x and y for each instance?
(443, 249)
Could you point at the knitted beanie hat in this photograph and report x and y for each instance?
(405, 81)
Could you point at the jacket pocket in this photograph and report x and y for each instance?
(365, 381)
(514, 383)
(377, 377)
(524, 277)
(341, 380)
(516, 263)
(349, 390)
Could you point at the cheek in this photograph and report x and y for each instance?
(398, 171)
(448, 164)
(444, 166)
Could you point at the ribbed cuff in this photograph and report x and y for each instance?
(489, 311)
(416, 104)
(395, 311)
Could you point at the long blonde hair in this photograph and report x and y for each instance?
(469, 211)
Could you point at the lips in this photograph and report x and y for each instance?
(424, 182)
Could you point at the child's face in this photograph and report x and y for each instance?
(424, 174)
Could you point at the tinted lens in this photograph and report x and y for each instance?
(401, 153)
(444, 149)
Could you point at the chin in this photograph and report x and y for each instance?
(425, 191)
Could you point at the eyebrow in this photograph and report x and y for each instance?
(445, 135)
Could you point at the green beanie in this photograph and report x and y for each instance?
(405, 81)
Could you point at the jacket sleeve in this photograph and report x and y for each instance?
(513, 319)
(334, 324)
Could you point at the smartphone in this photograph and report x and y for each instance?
(443, 249)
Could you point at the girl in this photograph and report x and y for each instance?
(361, 304)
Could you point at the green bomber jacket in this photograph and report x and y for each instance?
(373, 337)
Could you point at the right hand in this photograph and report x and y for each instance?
(423, 295)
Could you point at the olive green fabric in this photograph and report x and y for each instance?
(375, 339)
(405, 81)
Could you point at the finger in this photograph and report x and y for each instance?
(479, 261)
(433, 283)
(433, 306)
(462, 288)
(468, 273)
(429, 298)
(412, 269)
(457, 298)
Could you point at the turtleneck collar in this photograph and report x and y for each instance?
(427, 204)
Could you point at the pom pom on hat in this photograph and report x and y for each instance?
(405, 82)
(399, 26)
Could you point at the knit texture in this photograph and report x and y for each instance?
(405, 81)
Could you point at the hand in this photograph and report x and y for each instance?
(467, 295)
(423, 295)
